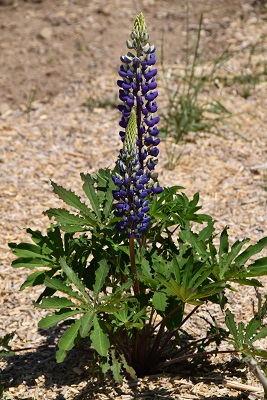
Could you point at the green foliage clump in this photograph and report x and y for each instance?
(84, 265)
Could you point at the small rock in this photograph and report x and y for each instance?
(46, 33)
(4, 108)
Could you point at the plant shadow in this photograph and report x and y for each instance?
(40, 365)
(34, 368)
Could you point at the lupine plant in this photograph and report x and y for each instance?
(126, 270)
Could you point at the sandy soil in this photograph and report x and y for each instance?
(56, 57)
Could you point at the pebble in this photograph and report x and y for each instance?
(46, 33)
(4, 107)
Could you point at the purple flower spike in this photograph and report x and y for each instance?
(135, 183)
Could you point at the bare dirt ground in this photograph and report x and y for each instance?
(56, 57)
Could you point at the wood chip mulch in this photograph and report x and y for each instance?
(59, 139)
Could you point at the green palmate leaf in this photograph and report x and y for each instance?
(159, 301)
(201, 274)
(55, 242)
(251, 251)
(74, 278)
(188, 273)
(31, 263)
(258, 268)
(145, 267)
(115, 367)
(251, 329)
(104, 365)
(37, 237)
(100, 340)
(107, 308)
(67, 341)
(90, 192)
(235, 249)
(55, 302)
(28, 250)
(192, 238)
(127, 367)
(197, 296)
(260, 335)
(207, 232)
(105, 185)
(63, 216)
(100, 276)
(72, 199)
(244, 281)
(69, 222)
(177, 263)
(226, 260)
(224, 243)
(36, 278)
(230, 322)
(86, 323)
(109, 199)
(53, 319)
(56, 284)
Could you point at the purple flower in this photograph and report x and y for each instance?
(131, 185)
(134, 181)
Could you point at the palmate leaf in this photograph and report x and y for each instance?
(230, 322)
(53, 319)
(159, 301)
(67, 341)
(251, 251)
(56, 303)
(68, 222)
(104, 185)
(36, 278)
(74, 278)
(245, 336)
(109, 199)
(45, 251)
(225, 260)
(224, 243)
(115, 367)
(245, 281)
(260, 335)
(207, 232)
(100, 340)
(100, 276)
(72, 200)
(58, 285)
(90, 192)
(31, 263)
(86, 322)
(258, 268)
(127, 367)
(63, 216)
(192, 238)
(251, 330)
(28, 250)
